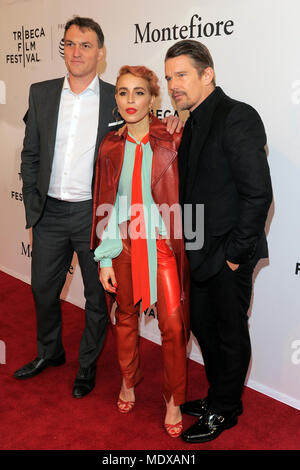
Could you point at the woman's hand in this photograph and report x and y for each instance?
(108, 279)
(173, 123)
(168, 243)
(167, 240)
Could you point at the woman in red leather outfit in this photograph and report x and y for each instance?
(142, 262)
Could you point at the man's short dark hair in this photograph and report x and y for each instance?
(197, 51)
(87, 23)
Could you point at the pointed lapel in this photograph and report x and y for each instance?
(183, 155)
(115, 154)
(101, 111)
(200, 132)
(163, 148)
(106, 105)
(51, 113)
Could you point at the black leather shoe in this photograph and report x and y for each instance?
(209, 426)
(195, 407)
(36, 366)
(198, 407)
(84, 382)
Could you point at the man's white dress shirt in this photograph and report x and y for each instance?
(73, 161)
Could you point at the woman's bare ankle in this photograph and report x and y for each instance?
(173, 413)
(127, 394)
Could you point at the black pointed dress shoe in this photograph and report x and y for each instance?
(84, 382)
(200, 406)
(209, 426)
(36, 366)
(195, 407)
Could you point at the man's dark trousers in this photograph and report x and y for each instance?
(65, 227)
(219, 321)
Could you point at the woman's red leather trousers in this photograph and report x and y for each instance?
(170, 321)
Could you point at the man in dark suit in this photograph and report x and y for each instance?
(222, 166)
(66, 120)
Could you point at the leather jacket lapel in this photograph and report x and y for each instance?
(163, 157)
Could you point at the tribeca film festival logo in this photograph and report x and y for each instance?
(61, 48)
(61, 45)
(17, 195)
(195, 29)
(26, 41)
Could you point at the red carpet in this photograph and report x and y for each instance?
(40, 413)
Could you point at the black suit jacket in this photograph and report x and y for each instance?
(39, 141)
(223, 165)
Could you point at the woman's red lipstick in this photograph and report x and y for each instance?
(131, 110)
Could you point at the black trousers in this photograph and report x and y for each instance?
(219, 322)
(65, 227)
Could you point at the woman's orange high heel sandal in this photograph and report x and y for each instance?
(125, 406)
(174, 430)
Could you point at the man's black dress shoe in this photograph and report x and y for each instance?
(209, 426)
(195, 407)
(198, 407)
(38, 365)
(84, 382)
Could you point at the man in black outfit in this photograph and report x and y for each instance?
(223, 166)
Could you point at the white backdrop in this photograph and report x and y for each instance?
(255, 46)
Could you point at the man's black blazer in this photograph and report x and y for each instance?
(224, 167)
(39, 141)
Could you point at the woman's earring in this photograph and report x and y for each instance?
(116, 114)
(151, 114)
